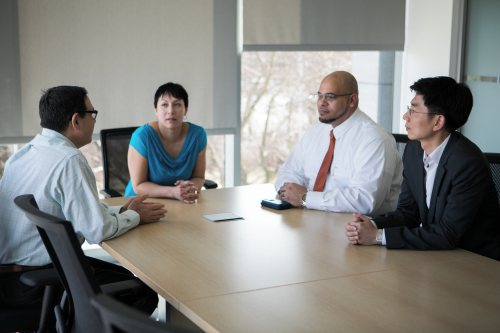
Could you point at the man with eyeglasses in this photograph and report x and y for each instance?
(54, 170)
(448, 198)
(344, 163)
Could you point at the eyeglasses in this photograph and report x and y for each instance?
(408, 109)
(328, 96)
(94, 113)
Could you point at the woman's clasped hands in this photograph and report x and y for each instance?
(185, 191)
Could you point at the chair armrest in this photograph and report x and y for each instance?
(118, 289)
(109, 193)
(210, 184)
(41, 277)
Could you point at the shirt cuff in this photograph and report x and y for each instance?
(313, 200)
(133, 216)
(383, 235)
(130, 214)
(112, 209)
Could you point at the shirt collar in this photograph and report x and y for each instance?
(435, 156)
(347, 124)
(51, 134)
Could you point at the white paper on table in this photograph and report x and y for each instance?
(222, 217)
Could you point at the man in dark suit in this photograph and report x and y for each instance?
(448, 198)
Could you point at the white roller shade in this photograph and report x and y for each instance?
(297, 25)
(121, 51)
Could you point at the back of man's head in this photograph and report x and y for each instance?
(443, 95)
(58, 105)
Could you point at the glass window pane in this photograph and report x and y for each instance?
(215, 159)
(276, 110)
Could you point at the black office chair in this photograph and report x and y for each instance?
(401, 141)
(119, 318)
(494, 161)
(114, 147)
(75, 313)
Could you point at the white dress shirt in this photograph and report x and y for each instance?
(365, 174)
(431, 163)
(52, 169)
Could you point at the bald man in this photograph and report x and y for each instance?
(345, 163)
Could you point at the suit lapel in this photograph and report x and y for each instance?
(441, 171)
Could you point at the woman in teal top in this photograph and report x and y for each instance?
(166, 158)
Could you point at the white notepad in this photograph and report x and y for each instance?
(222, 217)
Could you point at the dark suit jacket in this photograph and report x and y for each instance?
(464, 210)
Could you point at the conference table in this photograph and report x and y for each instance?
(295, 271)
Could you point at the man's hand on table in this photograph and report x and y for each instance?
(292, 193)
(148, 211)
(361, 230)
(125, 206)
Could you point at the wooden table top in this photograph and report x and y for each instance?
(295, 271)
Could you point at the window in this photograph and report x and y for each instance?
(276, 110)
(215, 159)
(6, 151)
(92, 152)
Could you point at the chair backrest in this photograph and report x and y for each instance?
(494, 161)
(70, 263)
(401, 141)
(120, 318)
(114, 147)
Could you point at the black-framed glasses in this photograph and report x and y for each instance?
(408, 109)
(94, 113)
(328, 96)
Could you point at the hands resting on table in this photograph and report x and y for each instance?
(292, 193)
(185, 191)
(359, 231)
(148, 211)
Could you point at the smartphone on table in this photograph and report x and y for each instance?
(275, 204)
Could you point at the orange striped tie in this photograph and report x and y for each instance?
(319, 185)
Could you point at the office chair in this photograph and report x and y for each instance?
(494, 161)
(120, 318)
(75, 313)
(114, 147)
(401, 141)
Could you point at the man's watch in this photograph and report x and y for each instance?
(304, 197)
(379, 237)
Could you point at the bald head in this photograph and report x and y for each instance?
(339, 98)
(345, 81)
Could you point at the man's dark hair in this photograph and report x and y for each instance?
(171, 89)
(443, 95)
(58, 105)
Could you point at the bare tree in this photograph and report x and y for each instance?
(215, 161)
(275, 107)
(5, 153)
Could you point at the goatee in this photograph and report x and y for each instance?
(331, 120)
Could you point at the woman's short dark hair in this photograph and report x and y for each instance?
(443, 95)
(171, 89)
(58, 105)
